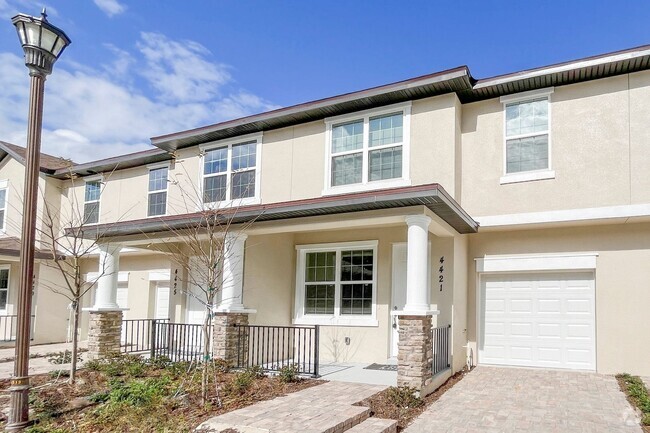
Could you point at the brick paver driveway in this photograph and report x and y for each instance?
(492, 399)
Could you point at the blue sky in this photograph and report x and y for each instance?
(142, 68)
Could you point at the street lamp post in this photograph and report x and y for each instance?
(43, 44)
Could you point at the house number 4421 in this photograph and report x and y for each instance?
(441, 270)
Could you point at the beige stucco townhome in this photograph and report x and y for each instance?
(511, 214)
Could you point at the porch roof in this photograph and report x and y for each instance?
(10, 247)
(433, 196)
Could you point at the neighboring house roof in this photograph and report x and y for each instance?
(10, 246)
(433, 196)
(458, 80)
(49, 163)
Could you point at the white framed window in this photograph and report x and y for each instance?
(230, 171)
(157, 195)
(4, 191)
(368, 150)
(527, 138)
(92, 194)
(336, 284)
(4, 287)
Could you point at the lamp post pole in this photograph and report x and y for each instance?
(42, 44)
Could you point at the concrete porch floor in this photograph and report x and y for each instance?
(357, 373)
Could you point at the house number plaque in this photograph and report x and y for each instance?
(441, 269)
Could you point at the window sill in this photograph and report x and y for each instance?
(357, 187)
(527, 176)
(370, 321)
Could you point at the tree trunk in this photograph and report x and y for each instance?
(206, 357)
(75, 342)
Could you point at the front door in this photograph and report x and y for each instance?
(162, 300)
(399, 292)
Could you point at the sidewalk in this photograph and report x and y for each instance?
(37, 365)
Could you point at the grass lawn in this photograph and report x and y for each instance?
(130, 394)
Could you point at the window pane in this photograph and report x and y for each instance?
(348, 136)
(356, 265)
(3, 299)
(320, 266)
(93, 190)
(214, 189)
(3, 198)
(4, 278)
(243, 184)
(385, 164)
(386, 129)
(215, 161)
(526, 154)
(91, 213)
(356, 299)
(319, 299)
(157, 203)
(243, 156)
(527, 117)
(2, 219)
(347, 169)
(158, 179)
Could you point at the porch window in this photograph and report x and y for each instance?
(3, 208)
(4, 288)
(157, 202)
(336, 284)
(91, 201)
(368, 150)
(231, 172)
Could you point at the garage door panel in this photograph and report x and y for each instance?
(538, 320)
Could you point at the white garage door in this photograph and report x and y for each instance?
(538, 320)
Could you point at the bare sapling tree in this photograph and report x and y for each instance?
(62, 238)
(200, 245)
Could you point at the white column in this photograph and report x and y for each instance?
(109, 268)
(232, 289)
(417, 259)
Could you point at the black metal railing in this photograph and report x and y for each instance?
(275, 347)
(441, 340)
(136, 334)
(9, 327)
(178, 341)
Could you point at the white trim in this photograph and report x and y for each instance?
(4, 184)
(526, 176)
(156, 165)
(365, 184)
(228, 143)
(568, 215)
(335, 319)
(94, 178)
(160, 275)
(537, 262)
(524, 96)
(122, 276)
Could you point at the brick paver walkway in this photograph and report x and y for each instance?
(491, 399)
(319, 409)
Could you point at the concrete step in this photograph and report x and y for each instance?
(375, 425)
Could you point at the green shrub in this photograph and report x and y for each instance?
(255, 371)
(221, 365)
(288, 373)
(138, 392)
(244, 379)
(638, 393)
(56, 374)
(404, 397)
(63, 357)
(45, 429)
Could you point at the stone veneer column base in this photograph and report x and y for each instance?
(104, 332)
(225, 336)
(415, 353)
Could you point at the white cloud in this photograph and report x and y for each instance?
(110, 7)
(96, 113)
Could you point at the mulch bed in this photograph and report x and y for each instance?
(624, 388)
(381, 407)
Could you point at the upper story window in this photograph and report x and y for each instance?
(157, 200)
(527, 136)
(91, 201)
(336, 283)
(231, 172)
(3, 206)
(368, 150)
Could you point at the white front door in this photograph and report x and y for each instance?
(162, 300)
(398, 292)
(122, 297)
(195, 309)
(538, 320)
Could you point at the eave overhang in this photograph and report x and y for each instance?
(431, 196)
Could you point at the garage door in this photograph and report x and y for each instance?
(538, 320)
